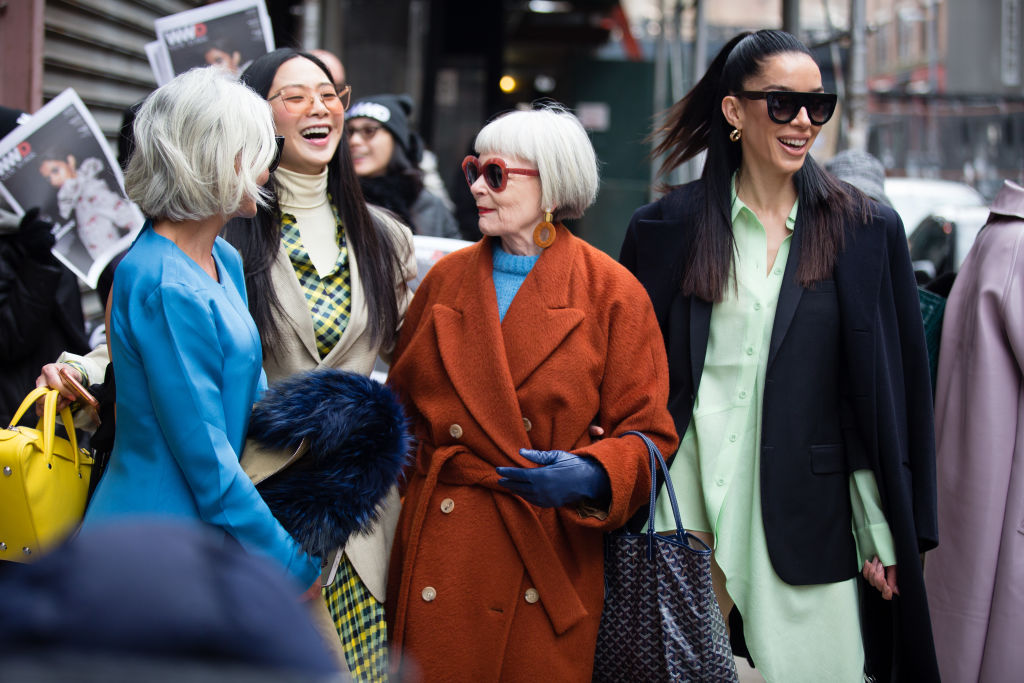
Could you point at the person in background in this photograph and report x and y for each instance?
(184, 347)
(386, 153)
(862, 170)
(975, 576)
(334, 65)
(40, 303)
(799, 377)
(156, 601)
(511, 349)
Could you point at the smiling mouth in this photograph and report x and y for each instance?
(316, 132)
(793, 143)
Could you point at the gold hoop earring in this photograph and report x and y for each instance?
(735, 134)
(544, 233)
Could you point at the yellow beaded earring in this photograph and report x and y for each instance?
(544, 233)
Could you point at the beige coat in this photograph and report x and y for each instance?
(297, 352)
(368, 552)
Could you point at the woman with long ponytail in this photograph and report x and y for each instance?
(799, 376)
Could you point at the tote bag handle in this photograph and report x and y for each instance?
(658, 461)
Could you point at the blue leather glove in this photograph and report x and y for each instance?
(561, 479)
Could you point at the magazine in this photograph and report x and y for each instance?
(59, 162)
(230, 34)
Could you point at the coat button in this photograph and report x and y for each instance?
(455, 431)
(532, 595)
(447, 505)
(429, 594)
(527, 425)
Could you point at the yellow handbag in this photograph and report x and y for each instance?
(44, 480)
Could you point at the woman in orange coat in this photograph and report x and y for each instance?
(510, 350)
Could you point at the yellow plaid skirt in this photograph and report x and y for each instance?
(359, 619)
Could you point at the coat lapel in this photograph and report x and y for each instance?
(789, 294)
(472, 350)
(293, 301)
(358, 316)
(540, 318)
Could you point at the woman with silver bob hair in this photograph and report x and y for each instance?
(186, 352)
(510, 350)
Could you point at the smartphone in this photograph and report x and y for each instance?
(76, 387)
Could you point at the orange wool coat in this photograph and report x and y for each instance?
(484, 586)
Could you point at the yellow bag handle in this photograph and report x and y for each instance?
(49, 422)
(32, 397)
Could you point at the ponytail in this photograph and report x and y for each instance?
(696, 123)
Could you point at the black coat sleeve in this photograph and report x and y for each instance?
(920, 447)
(27, 299)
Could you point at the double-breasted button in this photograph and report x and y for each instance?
(527, 425)
(456, 431)
(447, 505)
(532, 595)
(429, 593)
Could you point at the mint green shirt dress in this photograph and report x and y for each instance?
(795, 634)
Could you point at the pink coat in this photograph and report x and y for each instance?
(975, 578)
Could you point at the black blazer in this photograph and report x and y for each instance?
(846, 388)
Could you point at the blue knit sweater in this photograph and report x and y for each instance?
(509, 272)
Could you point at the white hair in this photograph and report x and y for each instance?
(201, 143)
(553, 139)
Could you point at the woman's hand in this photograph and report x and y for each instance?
(881, 577)
(313, 592)
(50, 377)
(561, 479)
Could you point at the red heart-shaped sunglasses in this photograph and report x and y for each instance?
(495, 172)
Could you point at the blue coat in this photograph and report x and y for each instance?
(187, 358)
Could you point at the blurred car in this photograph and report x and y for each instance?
(916, 198)
(941, 241)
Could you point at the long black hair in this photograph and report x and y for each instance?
(258, 239)
(696, 123)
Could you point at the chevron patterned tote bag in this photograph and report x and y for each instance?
(661, 621)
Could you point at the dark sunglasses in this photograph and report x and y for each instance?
(279, 140)
(495, 172)
(783, 105)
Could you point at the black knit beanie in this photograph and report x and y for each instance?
(392, 112)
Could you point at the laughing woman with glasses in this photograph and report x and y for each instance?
(799, 377)
(327, 287)
(511, 349)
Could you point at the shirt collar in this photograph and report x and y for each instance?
(738, 206)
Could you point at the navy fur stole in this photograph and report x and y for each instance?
(358, 446)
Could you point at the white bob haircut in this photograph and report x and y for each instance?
(201, 143)
(553, 139)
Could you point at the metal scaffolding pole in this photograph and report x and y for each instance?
(791, 16)
(857, 87)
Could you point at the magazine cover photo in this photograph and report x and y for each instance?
(226, 34)
(60, 163)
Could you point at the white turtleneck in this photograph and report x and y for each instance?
(305, 197)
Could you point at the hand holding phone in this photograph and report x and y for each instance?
(76, 387)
